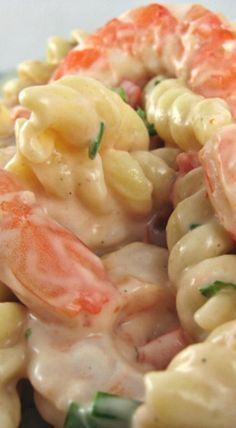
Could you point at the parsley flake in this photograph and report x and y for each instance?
(212, 289)
(121, 92)
(72, 418)
(94, 147)
(28, 333)
(150, 127)
(194, 226)
(157, 82)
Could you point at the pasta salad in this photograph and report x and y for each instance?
(117, 227)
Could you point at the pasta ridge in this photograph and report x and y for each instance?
(181, 117)
(122, 182)
(199, 256)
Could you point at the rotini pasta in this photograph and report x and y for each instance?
(180, 116)
(6, 125)
(199, 249)
(36, 72)
(58, 48)
(53, 152)
(198, 386)
(117, 249)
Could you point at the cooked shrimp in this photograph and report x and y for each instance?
(219, 164)
(46, 266)
(189, 42)
(106, 356)
(81, 306)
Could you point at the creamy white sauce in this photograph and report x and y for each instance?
(70, 363)
(99, 232)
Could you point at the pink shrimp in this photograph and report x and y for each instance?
(219, 164)
(190, 42)
(118, 307)
(45, 264)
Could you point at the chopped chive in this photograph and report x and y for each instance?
(106, 411)
(212, 289)
(114, 407)
(150, 127)
(157, 82)
(141, 113)
(151, 130)
(194, 226)
(94, 147)
(120, 91)
(28, 333)
(72, 419)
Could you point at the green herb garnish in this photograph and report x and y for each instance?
(120, 91)
(72, 419)
(106, 411)
(194, 226)
(94, 147)
(113, 407)
(212, 289)
(157, 82)
(150, 127)
(28, 333)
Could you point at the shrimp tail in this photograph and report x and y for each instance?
(43, 263)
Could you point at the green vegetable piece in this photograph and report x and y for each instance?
(107, 411)
(150, 127)
(194, 226)
(120, 91)
(151, 130)
(212, 289)
(94, 147)
(113, 407)
(72, 418)
(157, 82)
(79, 417)
(28, 333)
(141, 113)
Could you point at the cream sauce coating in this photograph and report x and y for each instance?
(70, 363)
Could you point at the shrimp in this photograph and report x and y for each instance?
(46, 266)
(113, 357)
(188, 42)
(218, 161)
(84, 313)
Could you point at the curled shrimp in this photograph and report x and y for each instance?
(188, 42)
(46, 266)
(218, 160)
(80, 307)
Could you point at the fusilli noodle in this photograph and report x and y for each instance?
(180, 116)
(53, 151)
(198, 386)
(6, 125)
(36, 72)
(199, 249)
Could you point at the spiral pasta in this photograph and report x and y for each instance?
(53, 153)
(198, 386)
(62, 112)
(199, 256)
(160, 171)
(58, 47)
(36, 72)
(180, 116)
(6, 126)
